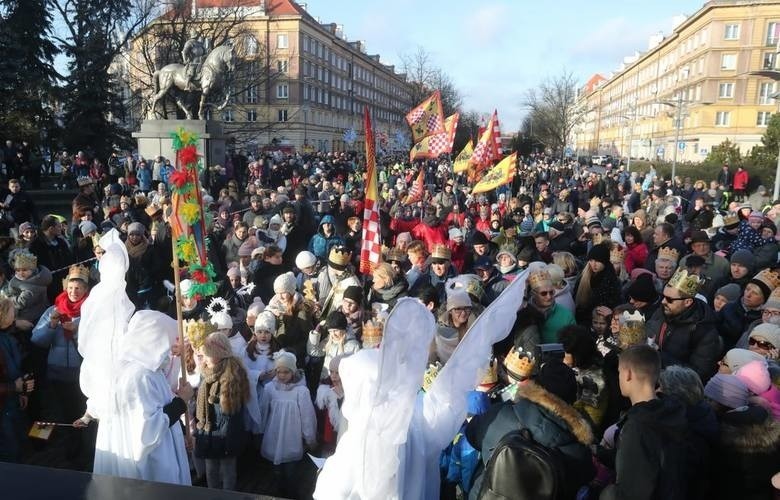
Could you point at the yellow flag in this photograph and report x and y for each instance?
(498, 175)
(463, 160)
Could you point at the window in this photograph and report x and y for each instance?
(769, 60)
(251, 115)
(250, 45)
(732, 32)
(306, 92)
(281, 66)
(281, 41)
(762, 119)
(726, 90)
(765, 91)
(227, 115)
(772, 33)
(728, 61)
(305, 43)
(282, 115)
(722, 118)
(282, 91)
(251, 94)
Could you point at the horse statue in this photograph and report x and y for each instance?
(211, 78)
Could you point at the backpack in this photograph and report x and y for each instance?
(520, 468)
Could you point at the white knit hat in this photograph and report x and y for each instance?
(256, 307)
(458, 298)
(305, 259)
(284, 359)
(276, 219)
(455, 233)
(768, 331)
(285, 283)
(265, 322)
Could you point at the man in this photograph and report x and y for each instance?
(192, 54)
(334, 280)
(700, 216)
(325, 239)
(663, 237)
(440, 270)
(255, 209)
(726, 235)
(684, 328)
(642, 294)
(650, 456)
(735, 317)
(86, 197)
(52, 251)
(18, 206)
(295, 234)
(715, 269)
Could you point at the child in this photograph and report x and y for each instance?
(28, 287)
(600, 327)
(288, 418)
(337, 343)
(258, 360)
(330, 422)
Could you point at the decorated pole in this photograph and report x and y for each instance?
(188, 230)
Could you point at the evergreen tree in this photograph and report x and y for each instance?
(27, 75)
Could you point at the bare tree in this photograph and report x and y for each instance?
(425, 78)
(554, 112)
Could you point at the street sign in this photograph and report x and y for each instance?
(568, 151)
(681, 146)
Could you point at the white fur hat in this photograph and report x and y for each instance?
(284, 359)
(305, 259)
(265, 322)
(285, 283)
(256, 307)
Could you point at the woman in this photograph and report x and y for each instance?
(388, 285)
(598, 285)
(636, 249)
(223, 392)
(143, 280)
(12, 387)
(452, 326)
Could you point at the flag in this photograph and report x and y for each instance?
(437, 144)
(427, 118)
(463, 160)
(497, 176)
(417, 189)
(371, 249)
(488, 147)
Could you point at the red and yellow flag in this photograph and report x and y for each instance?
(487, 148)
(463, 160)
(417, 189)
(437, 144)
(499, 175)
(371, 248)
(427, 118)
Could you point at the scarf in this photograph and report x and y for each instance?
(226, 384)
(138, 250)
(68, 311)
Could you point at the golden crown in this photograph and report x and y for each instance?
(396, 254)
(78, 272)
(441, 252)
(25, 260)
(519, 363)
(197, 331)
(769, 277)
(668, 253)
(430, 375)
(339, 256)
(617, 254)
(687, 284)
(539, 278)
(730, 220)
(631, 333)
(372, 334)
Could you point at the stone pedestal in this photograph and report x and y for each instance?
(154, 139)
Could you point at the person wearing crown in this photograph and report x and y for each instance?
(684, 328)
(439, 271)
(334, 279)
(665, 266)
(663, 237)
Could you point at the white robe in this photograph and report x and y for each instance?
(253, 420)
(289, 420)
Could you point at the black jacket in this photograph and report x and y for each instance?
(733, 320)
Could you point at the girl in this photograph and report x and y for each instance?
(330, 422)
(288, 418)
(222, 394)
(258, 360)
(337, 343)
(28, 287)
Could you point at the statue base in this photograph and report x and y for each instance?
(154, 139)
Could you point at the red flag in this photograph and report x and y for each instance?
(426, 118)
(416, 191)
(371, 248)
(485, 151)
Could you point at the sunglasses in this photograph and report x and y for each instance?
(672, 299)
(461, 309)
(761, 344)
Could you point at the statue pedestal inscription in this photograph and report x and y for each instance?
(154, 139)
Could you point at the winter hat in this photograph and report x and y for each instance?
(773, 302)
(643, 289)
(220, 317)
(259, 251)
(185, 287)
(336, 320)
(737, 358)
(284, 359)
(256, 307)
(508, 249)
(742, 257)
(768, 331)
(600, 253)
(354, 293)
(404, 238)
(755, 375)
(24, 226)
(728, 390)
(755, 214)
(276, 219)
(86, 227)
(458, 299)
(558, 379)
(136, 228)
(455, 233)
(305, 259)
(285, 283)
(526, 254)
(265, 322)
(556, 274)
(245, 250)
(233, 272)
(217, 346)
(483, 262)
(527, 226)
(730, 292)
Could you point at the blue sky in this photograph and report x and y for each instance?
(496, 49)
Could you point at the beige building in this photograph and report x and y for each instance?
(701, 74)
(315, 83)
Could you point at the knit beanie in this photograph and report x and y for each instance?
(245, 250)
(479, 238)
(730, 292)
(354, 293)
(742, 257)
(222, 320)
(457, 299)
(284, 359)
(136, 228)
(769, 332)
(233, 272)
(527, 226)
(643, 289)
(217, 346)
(285, 283)
(256, 307)
(727, 390)
(265, 322)
(773, 302)
(559, 379)
(737, 358)
(87, 227)
(336, 320)
(600, 253)
(454, 233)
(755, 375)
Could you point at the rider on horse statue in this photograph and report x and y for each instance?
(192, 54)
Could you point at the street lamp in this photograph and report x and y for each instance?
(679, 103)
(774, 75)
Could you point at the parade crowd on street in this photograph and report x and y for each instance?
(643, 361)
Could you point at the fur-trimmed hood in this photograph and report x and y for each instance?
(578, 425)
(758, 437)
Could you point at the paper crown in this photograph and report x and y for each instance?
(152, 209)
(687, 284)
(441, 252)
(372, 334)
(730, 220)
(430, 375)
(519, 363)
(668, 253)
(770, 278)
(617, 254)
(631, 333)
(196, 331)
(78, 272)
(339, 256)
(83, 181)
(25, 260)
(395, 255)
(491, 376)
(539, 278)
(636, 316)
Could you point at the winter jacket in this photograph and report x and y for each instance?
(230, 248)
(29, 295)
(690, 339)
(741, 180)
(64, 360)
(552, 423)
(636, 255)
(144, 176)
(320, 244)
(733, 320)
(225, 438)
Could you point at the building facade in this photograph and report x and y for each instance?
(691, 90)
(312, 82)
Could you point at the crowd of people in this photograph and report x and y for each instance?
(643, 358)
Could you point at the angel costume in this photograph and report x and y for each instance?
(395, 434)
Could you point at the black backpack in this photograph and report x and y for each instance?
(522, 469)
